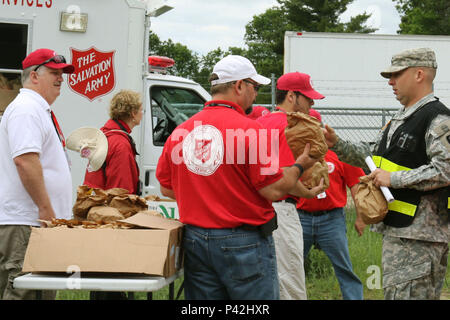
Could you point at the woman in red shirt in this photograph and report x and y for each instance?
(120, 169)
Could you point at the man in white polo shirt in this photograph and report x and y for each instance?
(36, 183)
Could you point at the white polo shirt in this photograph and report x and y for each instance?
(26, 126)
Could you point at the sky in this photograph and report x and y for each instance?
(205, 25)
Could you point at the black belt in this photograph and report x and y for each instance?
(317, 213)
(289, 200)
(265, 229)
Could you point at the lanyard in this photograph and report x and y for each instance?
(58, 129)
(226, 104)
(220, 105)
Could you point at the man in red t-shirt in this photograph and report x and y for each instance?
(294, 94)
(217, 166)
(323, 221)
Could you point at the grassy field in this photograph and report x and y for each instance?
(321, 283)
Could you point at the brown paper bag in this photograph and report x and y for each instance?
(104, 214)
(129, 205)
(311, 177)
(303, 129)
(370, 202)
(152, 197)
(114, 192)
(87, 198)
(6, 97)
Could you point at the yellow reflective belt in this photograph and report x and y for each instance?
(448, 203)
(377, 160)
(387, 165)
(402, 207)
(396, 205)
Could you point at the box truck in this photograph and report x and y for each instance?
(345, 67)
(108, 43)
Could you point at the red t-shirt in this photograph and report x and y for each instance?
(211, 163)
(341, 175)
(278, 121)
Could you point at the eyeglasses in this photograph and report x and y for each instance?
(55, 59)
(255, 85)
(298, 94)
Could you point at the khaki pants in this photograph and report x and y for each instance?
(13, 244)
(288, 238)
(413, 269)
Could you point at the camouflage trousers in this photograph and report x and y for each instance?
(413, 269)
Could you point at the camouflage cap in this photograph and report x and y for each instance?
(421, 57)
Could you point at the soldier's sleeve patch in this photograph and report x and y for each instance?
(443, 133)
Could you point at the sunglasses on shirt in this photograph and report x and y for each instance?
(55, 59)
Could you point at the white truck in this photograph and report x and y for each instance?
(345, 67)
(108, 43)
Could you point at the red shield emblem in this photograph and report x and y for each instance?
(203, 150)
(94, 72)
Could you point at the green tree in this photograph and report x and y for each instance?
(189, 64)
(424, 16)
(323, 16)
(186, 61)
(265, 33)
(207, 63)
(265, 39)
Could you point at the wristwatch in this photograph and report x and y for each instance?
(299, 166)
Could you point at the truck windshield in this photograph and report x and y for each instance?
(170, 107)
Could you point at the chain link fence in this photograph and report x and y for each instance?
(355, 124)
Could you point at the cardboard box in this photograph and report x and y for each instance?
(6, 96)
(153, 249)
(166, 207)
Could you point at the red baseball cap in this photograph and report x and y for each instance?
(258, 111)
(44, 57)
(301, 82)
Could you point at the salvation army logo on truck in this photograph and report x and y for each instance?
(94, 72)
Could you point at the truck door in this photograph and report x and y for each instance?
(170, 106)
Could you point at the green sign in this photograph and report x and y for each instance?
(166, 213)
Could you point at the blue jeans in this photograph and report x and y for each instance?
(329, 231)
(223, 264)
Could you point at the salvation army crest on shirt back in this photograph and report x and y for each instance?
(203, 150)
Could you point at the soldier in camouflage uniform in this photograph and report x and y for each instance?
(414, 256)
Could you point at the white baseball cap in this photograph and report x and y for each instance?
(91, 143)
(233, 68)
